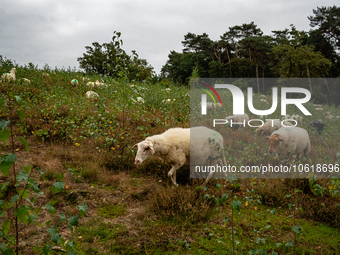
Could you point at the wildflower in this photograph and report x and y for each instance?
(112, 148)
(255, 208)
(76, 144)
(246, 203)
(122, 137)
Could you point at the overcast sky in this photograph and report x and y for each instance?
(56, 32)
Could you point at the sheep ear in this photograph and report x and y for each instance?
(150, 144)
(135, 146)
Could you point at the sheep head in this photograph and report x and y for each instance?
(145, 150)
(274, 141)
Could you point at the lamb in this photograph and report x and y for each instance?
(9, 76)
(91, 95)
(289, 141)
(174, 147)
(237, 119)
(270, 126)
(318, 124)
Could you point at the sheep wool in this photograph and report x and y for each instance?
(289, 141)
(270, 126)
(174, 147)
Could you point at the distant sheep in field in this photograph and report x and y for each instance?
(318, 109)
(92, 95)
(263, 96)
(138, 100)
(289, 141)
(318, 124)
(263, 101)
(214, 106)
(74, 82)
(174, 146)
(270, 126)
(237, 119)
(27, 81)
(317, 105)
(167, 101)
(329, 116)
(9, 76)
(294, 117)
(96, 83)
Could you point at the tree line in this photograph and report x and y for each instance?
(245, 51)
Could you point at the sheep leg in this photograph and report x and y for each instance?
(172, 173)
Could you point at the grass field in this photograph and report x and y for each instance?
(86, 144)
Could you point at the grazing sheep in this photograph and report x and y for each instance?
(289, 141)
(214, 106)
(174, 147)
(167, 101)
(27, 81)
(270, 126)
(264, 101)
(318, 124)
(91, 95)
(96, 83)
(318, 109)
(138, 100)
(74, 82)
(244, 118)
(9, 76)
(317, 105)
(263, 96)
(296, 117)
(329, 116)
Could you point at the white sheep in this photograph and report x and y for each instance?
(270, 126)
(91, 95)
(263, 96)
(263, 101)
(329, 116)
(237, 119)
(96, 83)
(74, 82)
(175, 147)
(289, 141)
(167, 101)
(138, 100)
(25, 80)
(317, 105)
(319, 109)
(296, 117)
(214, 106)
(9, 76)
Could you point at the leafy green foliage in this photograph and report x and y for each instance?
(111, 60)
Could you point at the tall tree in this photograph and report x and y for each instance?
(327, 21)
